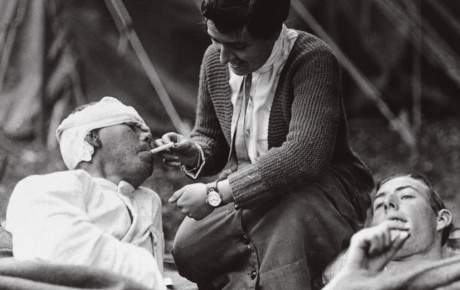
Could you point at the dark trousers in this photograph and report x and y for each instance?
(6, 244)
(282, 244)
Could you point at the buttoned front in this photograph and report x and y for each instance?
(245, 239)
(261, 94)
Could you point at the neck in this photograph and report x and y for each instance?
(97, 169)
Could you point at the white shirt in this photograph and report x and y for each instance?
(72, 218)
(264, 83)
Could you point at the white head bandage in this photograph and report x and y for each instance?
(73, 130)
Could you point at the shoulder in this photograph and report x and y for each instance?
(211, 59)
(58, 184)
(56, 180)
(309, 56)
(210, 54)
(307, 42)
(309, 46)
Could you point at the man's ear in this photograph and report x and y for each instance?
(444, 219)
(93, 139)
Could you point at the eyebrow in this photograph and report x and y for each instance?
(397, 189)
(226, 42)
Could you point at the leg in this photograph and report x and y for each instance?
(207, 249)
(282, 244)
(298, 234)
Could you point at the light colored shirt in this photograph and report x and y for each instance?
(72, 218)
(263, 88)
(264, 83)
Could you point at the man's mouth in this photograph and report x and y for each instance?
(144, 148)
(235, 64)
(397, 219)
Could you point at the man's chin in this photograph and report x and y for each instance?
(240, 71)
(402, 254)
(143, 174)
(146, 165)
(146, 156)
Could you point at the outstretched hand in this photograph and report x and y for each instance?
(184, 151)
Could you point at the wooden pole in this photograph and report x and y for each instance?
(363, 83)
(15, 15)
(445, 14)
(437, 51)
(417, 75)
(124, 24)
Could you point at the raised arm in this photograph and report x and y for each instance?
(370, 251)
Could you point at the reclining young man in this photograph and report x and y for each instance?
(96, 214)
(403, 248)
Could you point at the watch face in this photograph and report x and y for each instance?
(214, 199)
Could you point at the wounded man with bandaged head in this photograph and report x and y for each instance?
(95, 214)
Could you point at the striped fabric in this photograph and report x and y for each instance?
(307, 128)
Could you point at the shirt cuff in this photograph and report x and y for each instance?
(195, 172)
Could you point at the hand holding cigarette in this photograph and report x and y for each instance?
(177, 150)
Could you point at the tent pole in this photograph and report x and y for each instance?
(17, 8)
(445, 14)
(363, 83)
(417, 74)
(124, 24)
(433, 47)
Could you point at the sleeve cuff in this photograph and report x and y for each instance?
(195, 172)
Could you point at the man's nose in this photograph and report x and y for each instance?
(146, 137)
(391, 201)
(225, 54)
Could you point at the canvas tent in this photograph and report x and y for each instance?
(38, 66)
(57, 54)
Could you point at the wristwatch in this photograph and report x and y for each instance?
(214, 198)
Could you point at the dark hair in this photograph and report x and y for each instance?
(435, 200)
(263, 18)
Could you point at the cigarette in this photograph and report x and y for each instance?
(162, 147)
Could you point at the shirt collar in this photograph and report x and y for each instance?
(280, 51)
(124, 188)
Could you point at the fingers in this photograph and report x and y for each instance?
(385, 257)
(176, 195)
(398, 242)
(384, 236)
(171, 163)
(380, 241)
(171, 137)
(170, 159)
(168, 155)
(183, 146)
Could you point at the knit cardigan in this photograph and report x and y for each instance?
(307, 131)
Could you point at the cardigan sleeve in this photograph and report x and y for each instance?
(207, 130)
(48, 220)
(314, 90)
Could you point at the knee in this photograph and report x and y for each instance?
(180, 246)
